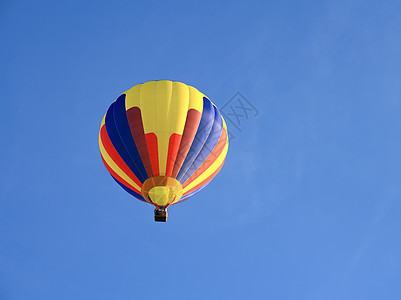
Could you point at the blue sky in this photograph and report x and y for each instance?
(307, 205)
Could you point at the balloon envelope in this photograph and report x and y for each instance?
(163, 141)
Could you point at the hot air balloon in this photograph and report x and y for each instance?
(163, 142)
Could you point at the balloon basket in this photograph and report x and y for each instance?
(160, 215)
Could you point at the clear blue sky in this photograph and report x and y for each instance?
(307, 205)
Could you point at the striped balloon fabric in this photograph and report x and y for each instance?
(163, 141)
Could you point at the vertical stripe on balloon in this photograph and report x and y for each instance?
(163, 91)
(201, 136)
(136, 126)
(151, 141)
(191, 126)
(174, 144)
